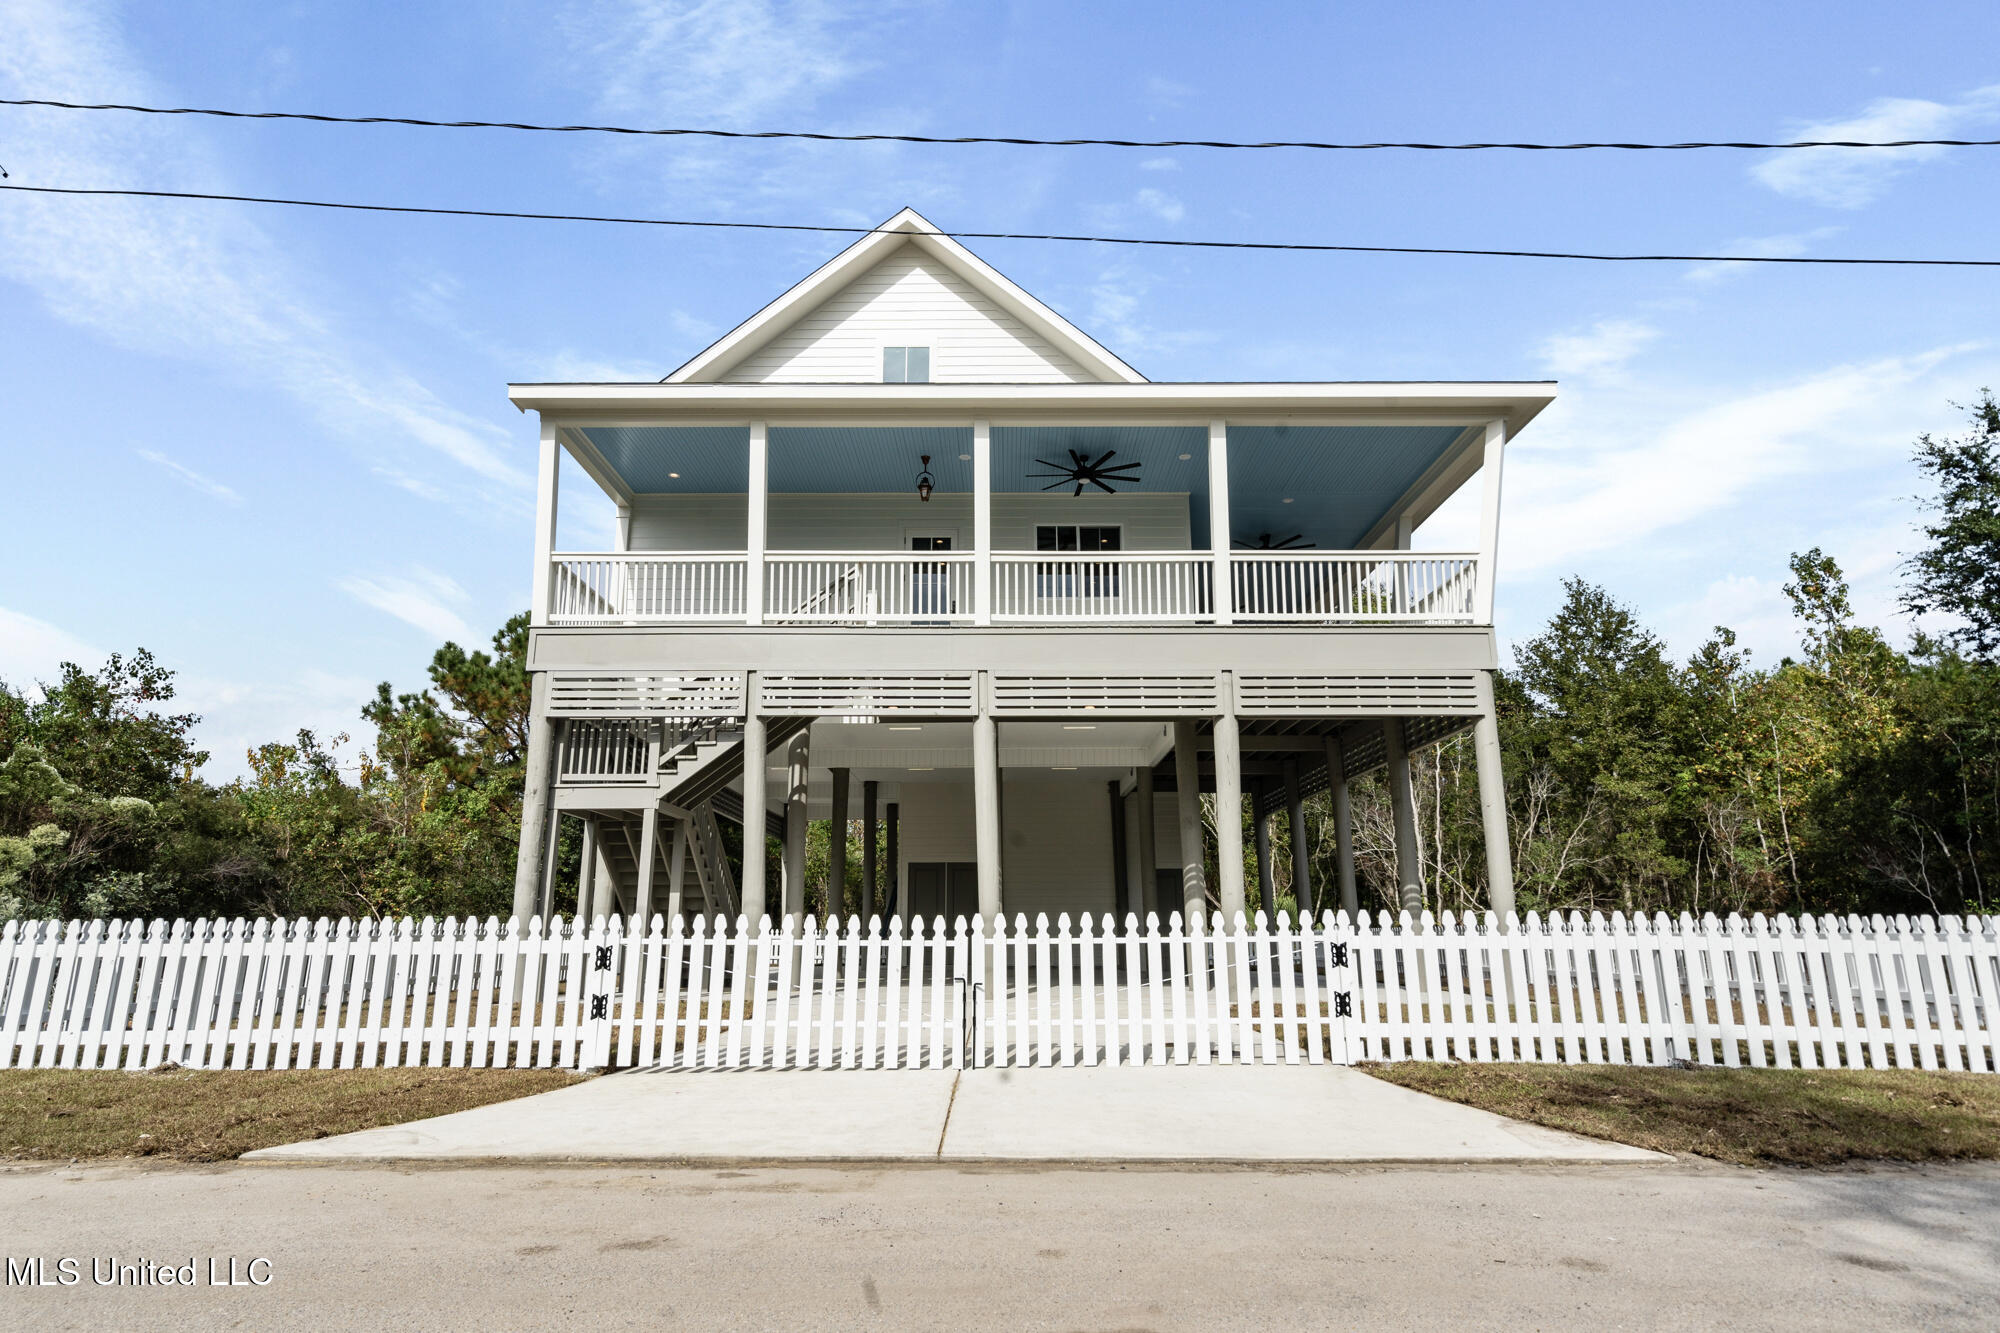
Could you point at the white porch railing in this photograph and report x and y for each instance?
(1348, 586)
(868, 587)
(1808, 992)
(926, 588)
(1150, 587)
(639, 586)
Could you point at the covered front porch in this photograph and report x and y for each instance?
(984, 523)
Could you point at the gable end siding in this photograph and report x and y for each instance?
(908, 298)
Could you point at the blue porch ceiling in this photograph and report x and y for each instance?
(1340, 480)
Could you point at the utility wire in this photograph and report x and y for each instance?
(974, 138)
(1009, 235)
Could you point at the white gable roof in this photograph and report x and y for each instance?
(906, 283)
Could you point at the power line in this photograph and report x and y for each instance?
(1009, 235)
(823, 137)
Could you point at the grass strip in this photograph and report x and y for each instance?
(187, 1115)
(1752, 1117)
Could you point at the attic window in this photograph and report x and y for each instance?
(906, 365)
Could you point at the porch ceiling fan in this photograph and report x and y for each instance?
(1296, 542)
(1083, 471)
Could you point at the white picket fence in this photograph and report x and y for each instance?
(1790, 992)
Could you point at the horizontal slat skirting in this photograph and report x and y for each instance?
(821, 696)
(1121, 694)
(671, 696)
(1338, 695)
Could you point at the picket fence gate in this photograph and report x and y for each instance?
(1805, 992)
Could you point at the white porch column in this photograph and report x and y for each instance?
(1489, 521)
(1403, 802)
(534, 799)
(1218, 520)
(551, 849)
(871, 903)
(1343, 827)
(754, 799)
(586, 871)
(1295, 811)
(836, 849)
(1493, 804)
(676, 871)
(1267, 883)
(986, 805)
(798, 757)
(1148, 897)
(982, 523)
(649, 852)
(1187, 802)
(755, 528)
(1229, 812)
(548, 474)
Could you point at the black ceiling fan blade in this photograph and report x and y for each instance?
(1117, 469)
(1099, 484)
(1057, 485)
(1078, 491)
(1060, 467)
(1107, 456)
(1081, 460)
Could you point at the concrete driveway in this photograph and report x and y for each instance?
(1218, 1113)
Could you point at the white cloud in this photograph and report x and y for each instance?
(425, 600)
(1160, 204)
(1160, 164)
(1779, 247)
(730, 64)
(235, 715)
(31, 650)
(1852, 177)
(204, 282)
(1602, 471)
(206, 485)
(752, 65)
(1605, 346)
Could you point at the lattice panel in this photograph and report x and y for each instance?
(1334, 696)
(579, 694)
(930, 694)
(1130, 695)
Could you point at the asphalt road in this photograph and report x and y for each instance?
(1682, 1246)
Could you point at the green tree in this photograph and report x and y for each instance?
(1958, 573)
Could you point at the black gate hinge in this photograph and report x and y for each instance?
(600, 1006)
(603, 958)
(1343, 1005)
(1340, 955)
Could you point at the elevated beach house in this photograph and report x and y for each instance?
(908, 548)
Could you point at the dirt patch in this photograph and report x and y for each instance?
(193, 1116)
(1752, 1117)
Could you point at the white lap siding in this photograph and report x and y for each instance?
(907, 299)
(884, 522)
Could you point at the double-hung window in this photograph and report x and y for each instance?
(906, 365)
(1076, 577)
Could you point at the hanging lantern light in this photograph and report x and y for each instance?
(926, 483)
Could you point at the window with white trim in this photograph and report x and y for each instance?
(906, 365)
(1073, 578)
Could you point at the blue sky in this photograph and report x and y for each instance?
(273, 446)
